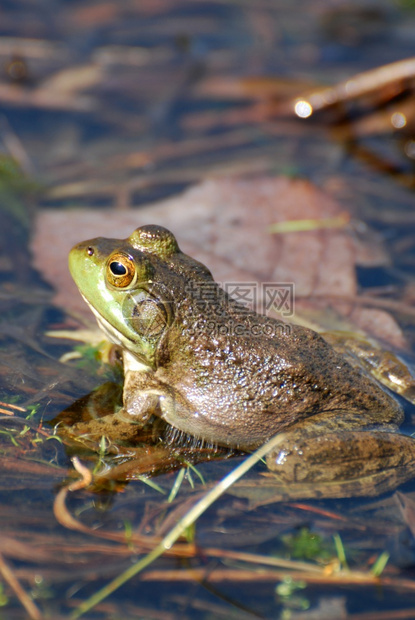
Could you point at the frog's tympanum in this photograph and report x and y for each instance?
(224, 374)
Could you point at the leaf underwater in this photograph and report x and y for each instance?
(225, 223)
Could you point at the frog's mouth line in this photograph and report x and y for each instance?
(112, 335)
(117, 338)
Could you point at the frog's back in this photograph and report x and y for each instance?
(247, 387)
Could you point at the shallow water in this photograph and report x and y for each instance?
(113, 106)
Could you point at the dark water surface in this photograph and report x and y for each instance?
(112, 105)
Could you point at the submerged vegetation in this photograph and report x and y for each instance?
(108, 108)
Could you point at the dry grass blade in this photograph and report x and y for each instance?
(63, 516)
(189, 519)
(15, 407)
(43, 98)
(255, 558)
(8, 575)
(221, 575)
(6, 411)
(311, 224)
(32, 48)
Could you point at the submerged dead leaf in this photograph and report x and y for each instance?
(225, 224)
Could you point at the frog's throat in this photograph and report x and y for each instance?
(112, 334)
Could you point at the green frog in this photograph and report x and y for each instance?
(218, 371)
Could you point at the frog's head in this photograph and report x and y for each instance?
(131, 286)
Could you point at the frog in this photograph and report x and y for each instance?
(219, 372)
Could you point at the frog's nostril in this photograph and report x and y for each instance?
(90, 250)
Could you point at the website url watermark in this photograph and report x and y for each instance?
(211, 312)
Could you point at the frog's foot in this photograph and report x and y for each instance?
(343, 463)
(383, 365)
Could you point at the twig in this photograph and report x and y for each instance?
(6, 411)
(65, 518)
(62, 515)
(8, 575)
(11, 406)
(361, 84)
(189, 518)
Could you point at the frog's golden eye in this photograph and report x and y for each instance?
(121, 271)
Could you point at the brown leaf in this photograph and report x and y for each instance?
(225, 223)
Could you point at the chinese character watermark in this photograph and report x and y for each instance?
(278, 297)
(245, 293)
(217, 313)
(228, 310)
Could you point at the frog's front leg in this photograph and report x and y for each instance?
(145, 395)
(141, 397)
(342, 462)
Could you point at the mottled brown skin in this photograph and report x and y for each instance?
(226, 375)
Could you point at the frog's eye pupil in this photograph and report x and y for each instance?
(118, 269)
